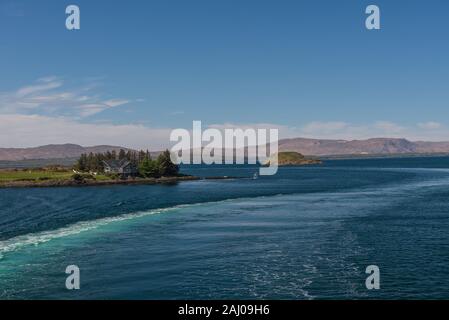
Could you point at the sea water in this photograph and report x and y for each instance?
(305, 233)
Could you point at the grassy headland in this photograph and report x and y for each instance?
(33, 175)
(98, 169)
(65, 177)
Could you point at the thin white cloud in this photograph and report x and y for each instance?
(340, 130)
(115, 102)
(48, 79)
(19, 130)
(36, 130)
(244, 126)
(51, 96)
(430, 131)
(37, 88)
(50, 111)
(389, 127)
(430, 125)
(325, 128)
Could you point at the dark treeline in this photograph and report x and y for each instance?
(141, 160)
(94, 161)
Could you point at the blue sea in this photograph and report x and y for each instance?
(305, 233)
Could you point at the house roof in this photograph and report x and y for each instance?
(117, 164)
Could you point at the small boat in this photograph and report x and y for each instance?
(255, 176)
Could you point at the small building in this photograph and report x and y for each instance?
(124, 168)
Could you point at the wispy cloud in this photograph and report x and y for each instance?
(53, 96)
(430, 125)
(54, 110)
(36, 130)
(426, 131)
(325, 128)
(33, 130)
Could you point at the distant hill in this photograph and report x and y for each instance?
(308, 147)
(376, 146)
(58, 151)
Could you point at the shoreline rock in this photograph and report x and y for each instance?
(93, 183)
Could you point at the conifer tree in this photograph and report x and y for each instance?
(166, 166)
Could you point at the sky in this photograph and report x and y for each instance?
(138, 69)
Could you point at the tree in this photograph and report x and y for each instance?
(166, 166)
(90, 162)
(141, 156)
(163, 166)
(122, 155)
(149, 168)
(81, 164)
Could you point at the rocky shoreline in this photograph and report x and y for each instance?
(91, 183)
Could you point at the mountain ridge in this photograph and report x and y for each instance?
(53, 151)
(387, 146)
(305, 146)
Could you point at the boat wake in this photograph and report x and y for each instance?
(16, 243)
(21, 241)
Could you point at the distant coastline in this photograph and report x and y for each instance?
(68, 162)
(382, 156)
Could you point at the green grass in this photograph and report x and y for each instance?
(34, 175)
(101, 177)
(290, 156)
(41, 175)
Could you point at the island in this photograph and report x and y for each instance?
(110, 168)
(291, 158)
(118, 168)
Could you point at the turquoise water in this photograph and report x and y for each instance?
(306, 233)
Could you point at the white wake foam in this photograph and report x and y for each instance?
(35, 239)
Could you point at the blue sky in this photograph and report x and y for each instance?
(310, 68)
